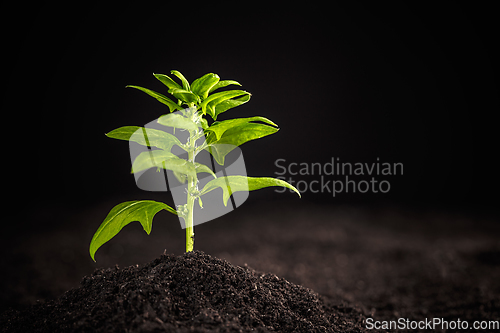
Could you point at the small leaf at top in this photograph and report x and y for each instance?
(209, 104)
(166, 80)
(185, 83)
(184, 95)
(229, 104)
(222, 84)
(202, 85)
(161, 98)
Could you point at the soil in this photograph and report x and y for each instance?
(190, 293)
(313, 268)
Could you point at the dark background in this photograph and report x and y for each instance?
(411, 84)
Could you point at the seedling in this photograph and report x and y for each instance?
(195, 102)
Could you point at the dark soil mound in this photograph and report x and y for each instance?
(189, 293)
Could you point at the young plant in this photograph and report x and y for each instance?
(194, 102)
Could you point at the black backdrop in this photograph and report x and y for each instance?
(411, 84)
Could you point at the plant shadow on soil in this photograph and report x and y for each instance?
(263, 268)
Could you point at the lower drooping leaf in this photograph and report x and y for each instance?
(231, 184)
(122, 214)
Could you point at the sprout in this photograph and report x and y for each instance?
(198, 104)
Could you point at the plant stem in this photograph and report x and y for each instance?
(189, 221)
(192, 183)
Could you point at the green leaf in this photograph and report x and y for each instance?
(220, 127)
(209, 104)
(204, 123)
(231, 184)
(202, 85)
(229, 104)
(162, 159)
(161, 98)
(222, 84)
(184, 95)
(178, 121)
(185, 83)
(145, 136)
(240, 134)
(166, 80)
(124, 213)
(204, 168)
(236, 136)
(168, 161)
